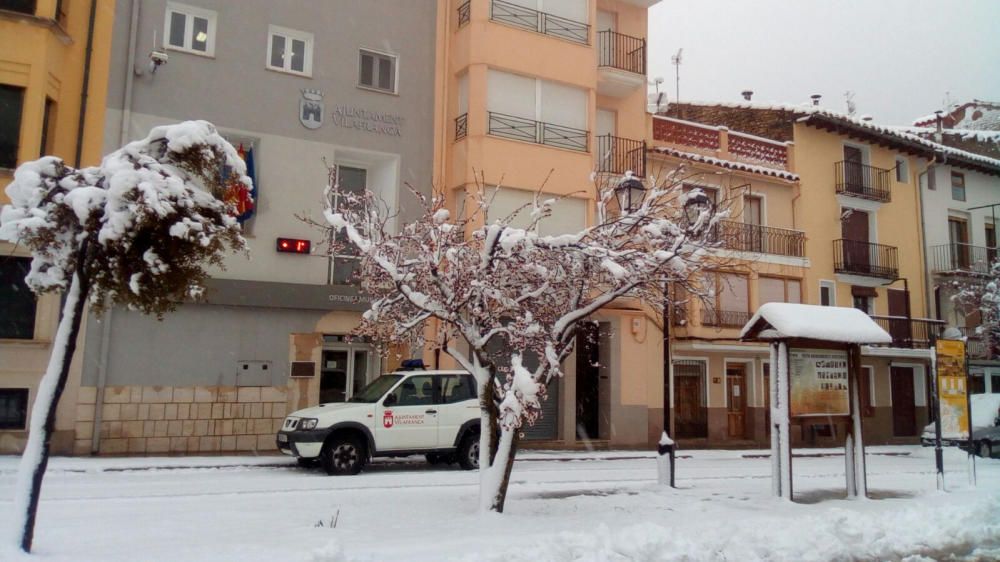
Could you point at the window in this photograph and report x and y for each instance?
(864, 304)
(732, 302)
(457, 388)
(22, 6)
(190, 29)
(48, 124)
(11, 100)
(902, 170)
(568, 215)
(289, 50)
(344, 262)
(827, 293)
(13, 408)
(775, 289)
(958, 186)
(415, 391)
(377, 71)
(17, 302)
(518, 104)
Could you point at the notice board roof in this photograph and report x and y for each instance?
(836, 324)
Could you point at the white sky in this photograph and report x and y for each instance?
(898, 56)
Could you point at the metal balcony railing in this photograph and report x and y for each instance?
(962, 258)
(679, 315)
(529, 130)
(617, 155)
(621, 51)
(976, 346)
(540, 22)
(864, 181)
(461, 126)
(742, 237)
(464, 13)
(724, 318)
(866, 259)
(910, 333)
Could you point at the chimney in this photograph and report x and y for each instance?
(866, 118)
(747, 94)
(816, 98)
(939, 132)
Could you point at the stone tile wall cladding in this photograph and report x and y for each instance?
(192, 419)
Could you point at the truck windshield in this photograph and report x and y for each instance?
(375, 389)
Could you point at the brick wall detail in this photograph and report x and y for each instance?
(181, 420)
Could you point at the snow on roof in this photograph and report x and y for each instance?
(977, 135)
(728, 164)
(829, 323)
(807, 111)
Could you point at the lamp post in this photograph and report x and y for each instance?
(629, 192)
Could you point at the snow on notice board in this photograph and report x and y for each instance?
(830, 323)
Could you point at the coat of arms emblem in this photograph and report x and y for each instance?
(311, 109)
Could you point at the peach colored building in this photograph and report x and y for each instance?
(53, 68)
(536, 96)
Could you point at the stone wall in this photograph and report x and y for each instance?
(182, 419)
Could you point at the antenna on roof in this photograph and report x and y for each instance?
(852, 107)
(747, 94)
(676, 60)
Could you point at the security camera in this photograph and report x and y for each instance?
(156, 58)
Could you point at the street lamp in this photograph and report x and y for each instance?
(630, 192)
(697, 203)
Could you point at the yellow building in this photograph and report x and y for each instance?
(538, 96)
(53, 82)
(857, 202)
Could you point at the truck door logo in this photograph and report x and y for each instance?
(387, 419)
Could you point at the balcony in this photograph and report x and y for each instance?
(724, 318)
(863, 181)
(910, 333)
(529, 130)
(851, 257)
(720, 142)
(621, 63)
(976, 346)
(617, 155)
(539, 22)
(734, 235)
(962, 259)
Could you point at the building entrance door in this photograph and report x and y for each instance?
(588, 381)
(690, 413)
(904, 415)
(736, 403)
(346, 369)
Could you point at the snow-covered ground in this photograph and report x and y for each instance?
(587, 506)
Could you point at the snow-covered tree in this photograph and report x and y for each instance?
(505, 301)
(138, 231)
(982, 294)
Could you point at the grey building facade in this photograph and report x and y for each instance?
(297, 86)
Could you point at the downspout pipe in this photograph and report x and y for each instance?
(85, 92)
(105, 342)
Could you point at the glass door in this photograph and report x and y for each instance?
(345, 370)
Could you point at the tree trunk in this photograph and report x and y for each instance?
(501, 496)
(43, 414)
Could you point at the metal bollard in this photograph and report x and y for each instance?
(665, 462)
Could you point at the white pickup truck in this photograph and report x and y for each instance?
(435, 413)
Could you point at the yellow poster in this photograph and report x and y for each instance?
(818, 383)
(952, 388)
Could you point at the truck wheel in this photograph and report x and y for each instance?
(343, 455)
(468, 452)
(984, 449)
